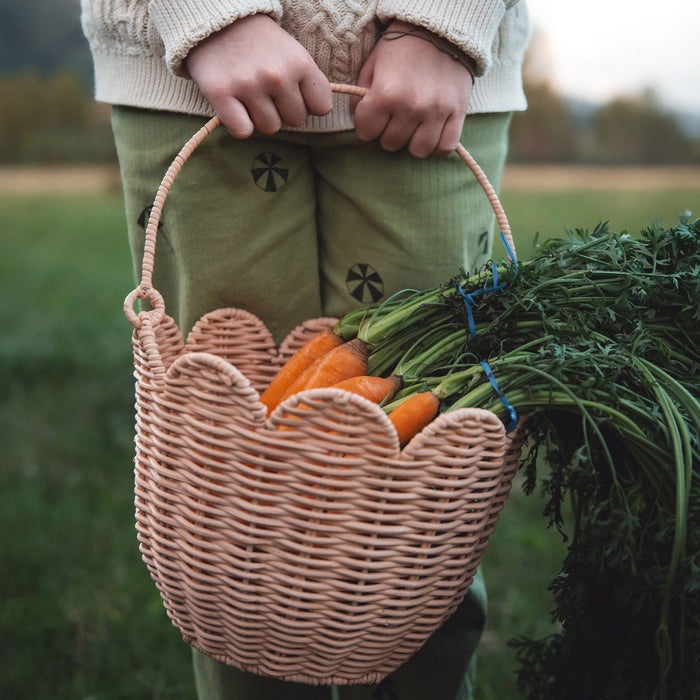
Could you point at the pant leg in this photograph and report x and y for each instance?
(238, 228)
(388, 221)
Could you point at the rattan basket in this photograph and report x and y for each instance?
(320, 552)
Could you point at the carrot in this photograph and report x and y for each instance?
(375, 389)
(315, 347)
(342, 362)
(413, 414)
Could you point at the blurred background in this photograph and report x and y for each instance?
(612, 133)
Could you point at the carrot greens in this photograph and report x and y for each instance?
(595, 343)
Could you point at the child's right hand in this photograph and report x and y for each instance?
(257, 76)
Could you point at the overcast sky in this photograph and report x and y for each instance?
(603, 47)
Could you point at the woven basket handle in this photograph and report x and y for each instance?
(145, 290)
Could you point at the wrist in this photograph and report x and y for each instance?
(232, 33)
(398, 29)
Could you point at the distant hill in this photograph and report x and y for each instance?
(44, 36)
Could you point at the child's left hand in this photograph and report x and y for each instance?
(418, 96)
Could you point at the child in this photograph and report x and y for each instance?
(309, 203)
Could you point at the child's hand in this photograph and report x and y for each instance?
(256, 76)
(418, 96)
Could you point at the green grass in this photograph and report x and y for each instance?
(520, 561)
(80, 618)
(537, 215)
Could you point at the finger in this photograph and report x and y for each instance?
(370, 121)
(291, 106)
(316, 93)
(364, 80)
(398, 133)
(263, 112)
(236, 119)
(450, 136)
(425, 138)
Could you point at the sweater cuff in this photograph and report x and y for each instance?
(471, 26)
(182, 24)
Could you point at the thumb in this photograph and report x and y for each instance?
(363, 80)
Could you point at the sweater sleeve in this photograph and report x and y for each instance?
(469, 24)
(182, 24)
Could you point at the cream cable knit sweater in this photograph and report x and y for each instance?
(138, 46)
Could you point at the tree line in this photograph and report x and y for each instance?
(53, 118)
(629, 130)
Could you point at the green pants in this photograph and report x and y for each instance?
(296, 226)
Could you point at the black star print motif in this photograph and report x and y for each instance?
(142, 221)
(269, 172)
(364, 283)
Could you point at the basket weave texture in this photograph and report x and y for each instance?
(306, 545)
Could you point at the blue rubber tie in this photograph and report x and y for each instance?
(511, 253)
(512, 413)
(469, 303)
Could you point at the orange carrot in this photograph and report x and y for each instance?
(342, 362)
(316, 347)
(373, 388)
(413, 414)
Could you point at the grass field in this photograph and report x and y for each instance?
(80, 618)
(542, 202)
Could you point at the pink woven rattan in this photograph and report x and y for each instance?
(305, 546)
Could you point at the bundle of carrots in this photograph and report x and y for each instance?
(327, 360)
(421, 352)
